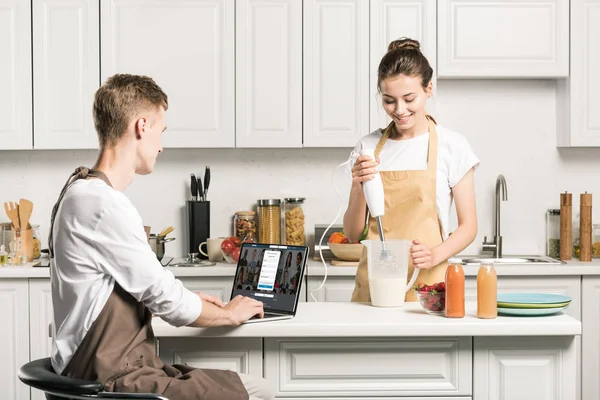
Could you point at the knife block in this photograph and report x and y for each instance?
(198, 213)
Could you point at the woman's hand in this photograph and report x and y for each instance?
(422, 255)
(364, 169)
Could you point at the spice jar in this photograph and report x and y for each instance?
(244, 223)
(553, 233)
(294, 221)
(576, 240)
(596, 241)
(36, 242)
(269, 221)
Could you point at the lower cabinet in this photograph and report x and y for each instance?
(368, 368)
(217, 286)
(524, 368)
(244, 355)
(14, 352)
(336, 288)
(590, 321)
(40, 316)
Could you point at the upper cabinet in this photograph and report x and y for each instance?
(187, 47)
(336, 72)
(66, 73)
(391, 20)
(15, 75)
(510, 38)
(268, 73)
(578, 98)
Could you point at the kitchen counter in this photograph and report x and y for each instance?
(363, 320)
(316, 269)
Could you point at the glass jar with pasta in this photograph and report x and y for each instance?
(294, 221)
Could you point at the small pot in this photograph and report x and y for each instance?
(157, 244)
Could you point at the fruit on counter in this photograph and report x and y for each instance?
(230, 244)
(236, 254)
(432, 297)
(339, 238)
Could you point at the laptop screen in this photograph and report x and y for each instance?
(270, 273)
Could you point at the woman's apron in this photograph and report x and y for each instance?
(410, 213)
(119, 350)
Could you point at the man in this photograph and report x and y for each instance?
(107, 282)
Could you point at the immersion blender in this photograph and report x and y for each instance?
(373, 190)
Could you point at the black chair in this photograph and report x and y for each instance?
(39, 375)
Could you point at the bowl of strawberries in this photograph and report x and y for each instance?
(432, 297)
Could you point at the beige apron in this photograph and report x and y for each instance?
(119, 350)
(410, 213)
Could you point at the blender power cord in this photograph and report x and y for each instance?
(353, 157)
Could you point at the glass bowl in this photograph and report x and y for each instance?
(432, 303)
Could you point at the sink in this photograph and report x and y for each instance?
(529, 260)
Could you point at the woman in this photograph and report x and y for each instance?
(423, 166)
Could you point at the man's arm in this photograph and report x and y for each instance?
(237, 311)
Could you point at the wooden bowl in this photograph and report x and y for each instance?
(346, 252)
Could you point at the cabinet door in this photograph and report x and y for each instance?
(66, 73)
(578, 98)
(40, 318)
(524, 368)
(243, 355)
(187, 47)
(511, 38)
(336, 288)
(15, 75)
(565, 285)
(336, 72)
(14, 337)
(219, 287)
(590, 361)
(269, 73)
(391, 20)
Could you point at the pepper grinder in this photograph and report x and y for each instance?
(566, 213)
(585, 226)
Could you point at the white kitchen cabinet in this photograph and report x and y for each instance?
(524, 368)
(564, 285)
(590, 360)
(512, 38)
(243, 355)
(336, 288)
(66, 73)
(187, 47)
(391, 20)
(15, 75)
(268, 73)
(14, 352)
(336, 72)
(40, 318)
(388, 367)
(217, 286)
(578, 98)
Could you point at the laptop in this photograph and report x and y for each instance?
(272, 274)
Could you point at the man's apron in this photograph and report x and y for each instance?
(410, 213)
(119, 348)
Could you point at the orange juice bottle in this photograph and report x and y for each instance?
(487, 304)
(455, 291)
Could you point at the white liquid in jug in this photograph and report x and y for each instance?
(387, 292)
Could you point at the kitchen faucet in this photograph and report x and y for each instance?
(496, 245)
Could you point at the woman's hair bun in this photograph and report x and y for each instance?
(405, 43)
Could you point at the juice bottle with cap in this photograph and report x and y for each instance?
(455, 291)
(487, 289)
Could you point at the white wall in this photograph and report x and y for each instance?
(511, 125)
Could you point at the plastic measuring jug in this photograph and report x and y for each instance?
(388, 274)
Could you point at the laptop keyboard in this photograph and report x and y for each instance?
(267, 314)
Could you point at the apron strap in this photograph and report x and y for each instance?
(79, 173)
(433, 147)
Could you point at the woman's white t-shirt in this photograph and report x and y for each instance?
(455, 159)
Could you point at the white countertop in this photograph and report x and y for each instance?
(363, 320)
(316, 269)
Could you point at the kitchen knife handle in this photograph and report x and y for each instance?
(206, 180)
(199, 188)
(193, 186)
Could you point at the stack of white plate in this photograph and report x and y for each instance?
(532, 304)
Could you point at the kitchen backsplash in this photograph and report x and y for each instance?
(511, 126)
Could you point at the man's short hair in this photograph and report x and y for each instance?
(121, 98)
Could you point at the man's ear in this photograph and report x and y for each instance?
(140, 127)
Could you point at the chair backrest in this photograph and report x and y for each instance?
(39, 375)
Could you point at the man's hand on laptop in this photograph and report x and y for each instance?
(243, 308)
(211, 299)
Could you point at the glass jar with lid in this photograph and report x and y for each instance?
(244, 225)
(553, 233)
(269, 221)
(294, 221)
(596, 241)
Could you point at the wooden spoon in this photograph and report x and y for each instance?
(25, 210)
(12, 212)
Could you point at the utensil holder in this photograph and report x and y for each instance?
(198, 213)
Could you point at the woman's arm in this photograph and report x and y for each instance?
(354, 219)
(465, 233)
